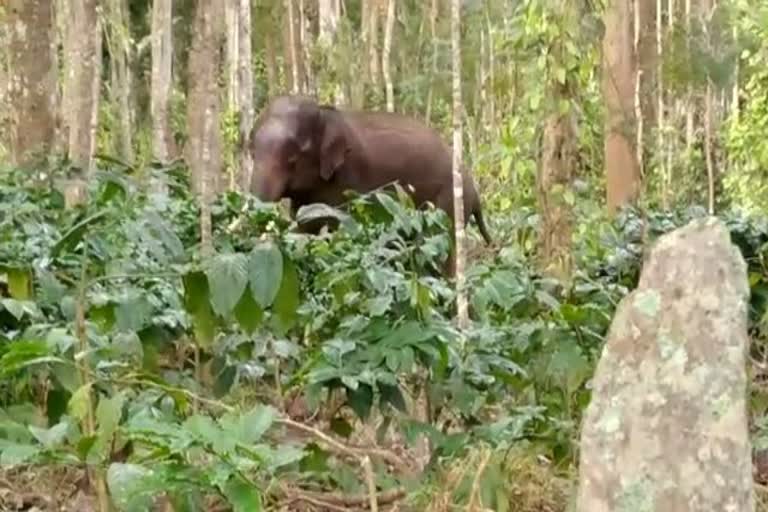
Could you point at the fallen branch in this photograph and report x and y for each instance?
(341, 448)
(342, 502)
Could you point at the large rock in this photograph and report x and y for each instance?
(666, 430)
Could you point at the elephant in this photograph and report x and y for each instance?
(314, 153)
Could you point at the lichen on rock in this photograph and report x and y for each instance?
(666, 429)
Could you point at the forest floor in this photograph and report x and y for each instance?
(532, 488)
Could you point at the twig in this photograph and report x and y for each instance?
(370, 479)
(476, 482)
(344, 502)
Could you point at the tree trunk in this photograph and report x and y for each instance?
(83, 80)
(203, 149)
(163, 146)
(458, 181)
(618, 83)
(329, 14)
(660, 108)
(271, 64)
(245, 79)
(292, 54)
(433, 13)
(119, 42)
(690, 107)
(385, 56)
(304, 45)
(553, 187)
(32, 79)
(373, 48)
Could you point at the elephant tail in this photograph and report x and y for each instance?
(478, 213)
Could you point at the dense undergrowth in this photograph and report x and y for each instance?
(268, 371)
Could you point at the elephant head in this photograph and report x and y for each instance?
(297, 146)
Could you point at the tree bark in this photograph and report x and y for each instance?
(618, 83)
(433, 13)
(553, 185)
(462, 313)
(245, 79)
(163, 146)
(385, 57)
(203, 149)
(32, 79)
(292, 53)
(373, 48)
(119, 42)
(83, 80)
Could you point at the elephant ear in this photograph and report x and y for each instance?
(334, 146)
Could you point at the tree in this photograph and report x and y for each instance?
(385, 55)
(120, 86)
(618, 84)
(162, 79)
(203, 150)
(458, 181)
(82, 64)
(32, 78)
(245, 90)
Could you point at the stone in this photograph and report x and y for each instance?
(666, 428)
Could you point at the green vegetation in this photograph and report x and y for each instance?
(122, 348)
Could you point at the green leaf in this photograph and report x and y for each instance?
(50, 437)
(265, 273)
(132, 313)
(287, 300)
(108, 414)
(393, 396)
(78, 404)
(20, 283)
(248, 313)
(14, 454)
(132, 486)
(75, 234)
(361, 400)
(255, 423)
(243, 496)
(14, 307)
(227, 277)
(198, 306)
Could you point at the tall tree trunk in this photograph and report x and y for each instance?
(32, 79)
(203, 149)
(707, 7)
(271, 63)
(329, 14)
(458, 181)
(554, 181)
(618, 83)
(660, 108)
(385, 56)
(119, 44)
(292, 53)
(433, 13)
(163, 147)
(373, 48)
(232, 65)
(83, 77)
(245, 79)
(690, 107)
(306, 57)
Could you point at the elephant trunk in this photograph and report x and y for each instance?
(268, 186)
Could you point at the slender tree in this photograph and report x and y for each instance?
(161, 79)
(618, 83)
(120, 85)
(203, 149)
(83, 80)
(245, 79)
(292, 53)
(32, 78)
(385, 55)
(458, 181)
(558, 157)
